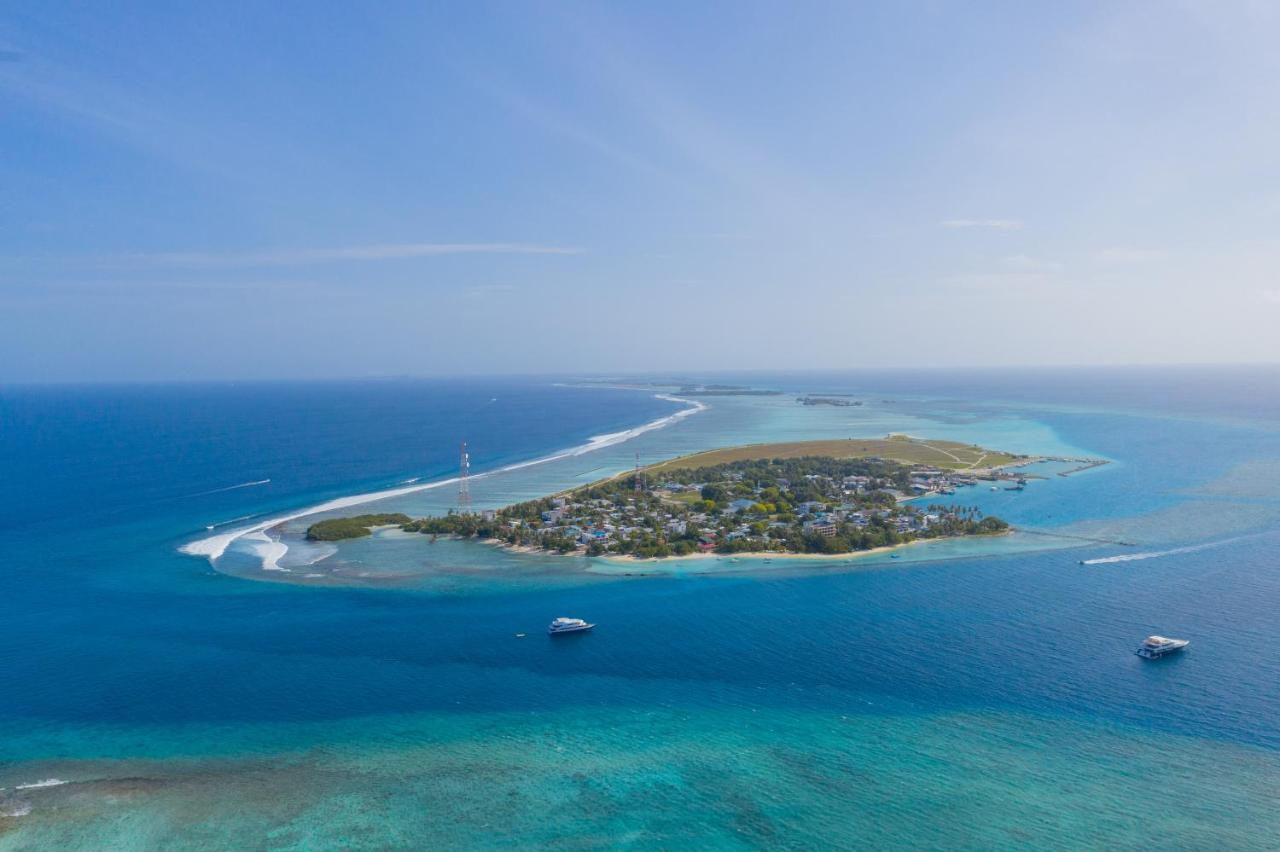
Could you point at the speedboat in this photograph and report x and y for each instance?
(1155, 647)
(568, 625)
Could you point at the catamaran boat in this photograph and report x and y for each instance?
(1156, 647)
(568, 625)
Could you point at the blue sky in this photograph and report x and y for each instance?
(242, 190)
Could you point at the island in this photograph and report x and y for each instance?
(337, 529)
(838, 400)
(725, 390)
(809, 497)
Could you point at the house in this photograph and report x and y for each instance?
(822, 528)
(741, 505)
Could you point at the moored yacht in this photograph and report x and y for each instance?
(568, 625)
(1156, 647)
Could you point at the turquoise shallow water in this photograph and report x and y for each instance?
(663, 777)
(970, 694)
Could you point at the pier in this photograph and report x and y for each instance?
(1090, 539)
(1081, 464)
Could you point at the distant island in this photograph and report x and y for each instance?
(725, 390)
(682, 387)
(839, 400)
(810, 497)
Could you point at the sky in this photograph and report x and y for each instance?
(307, 190)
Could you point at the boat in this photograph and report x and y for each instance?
(568, 625)
(1156, 647)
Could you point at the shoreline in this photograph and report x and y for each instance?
(214, 546)
(628, 559)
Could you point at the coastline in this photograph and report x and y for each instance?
(273, 550)
(627, 559)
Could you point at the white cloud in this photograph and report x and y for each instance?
(1127, 255)
(994, 224)
(1272, 296)
(294, 257)
(1025, 263)
(488, 289)
(999, 280)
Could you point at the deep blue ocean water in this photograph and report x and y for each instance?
(818, 708)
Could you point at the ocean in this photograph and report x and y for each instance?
(375, 694)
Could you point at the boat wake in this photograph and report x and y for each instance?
(1156, 554)
(253, 484)
(217, 524)
(271, 550)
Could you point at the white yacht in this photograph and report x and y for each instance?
(1156, 647)
(568, 625)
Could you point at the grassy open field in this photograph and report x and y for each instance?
(946, 455)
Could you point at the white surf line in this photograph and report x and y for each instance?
(212, 547)
(1134, 557)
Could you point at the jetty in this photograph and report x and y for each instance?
(1091, 539)
(1081, 464)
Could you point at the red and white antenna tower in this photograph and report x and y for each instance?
(464, 494)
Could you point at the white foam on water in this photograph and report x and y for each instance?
(1156, 554)
(34, 785)
(268, 549)
(217, 524)
(212, 547)
(253, 484)
(17, 809)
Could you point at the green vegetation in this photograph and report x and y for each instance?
(806, 504)
(336, 529)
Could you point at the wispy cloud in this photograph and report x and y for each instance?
(999, 280)
(1026, 263)
(301, 257)
(1015, 272)
(1272, 296)
(487, 289)
(1124, 255)
(994, 224)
